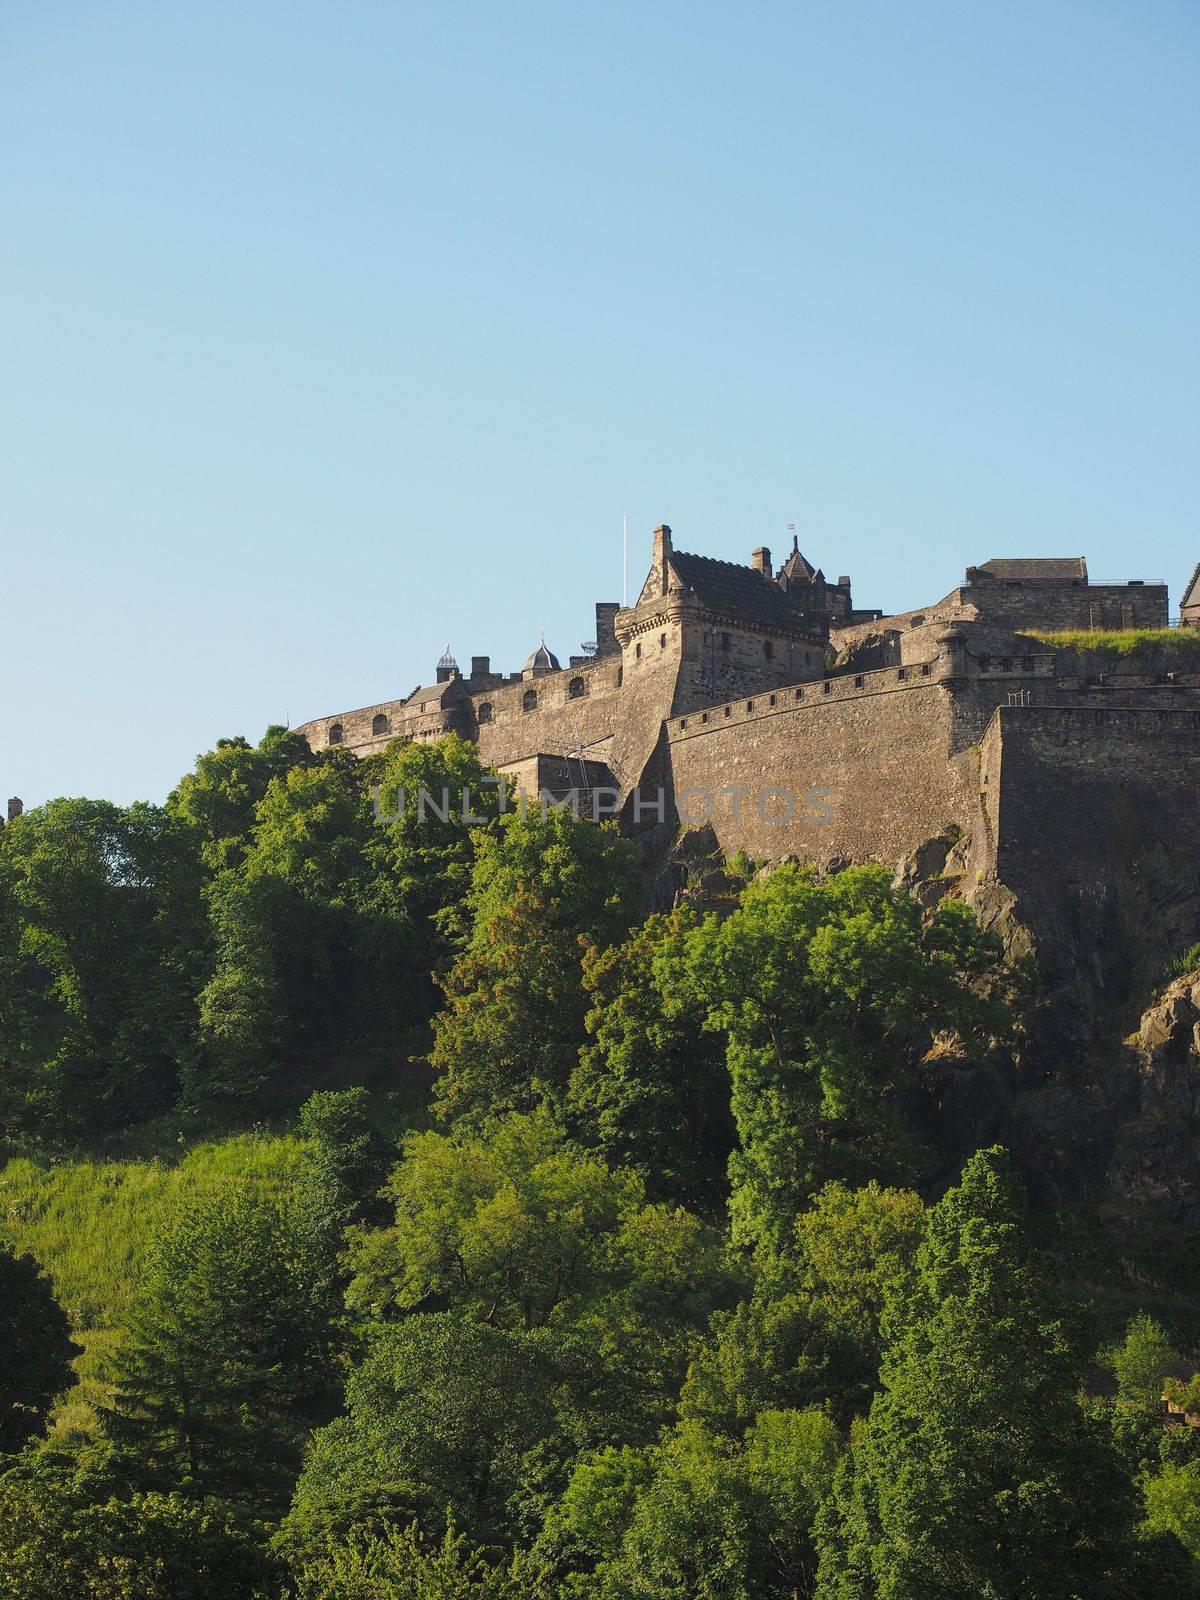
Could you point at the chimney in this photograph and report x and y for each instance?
(760, 560)
(16, 808)
(606, 633)
(662, 554)
(481, 666)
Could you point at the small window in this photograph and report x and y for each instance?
(1026, 663)
(379, 724)
(529, 700)
(826, 687)
(924, 669)
(576, 689)
(902, 673)
(1005, 663)
(485, 711)
(728, 711)
(662, 641)
(749, 705)
(638, 652)
(799, 694)
(985, 663)
(771, 700)
(858, 683)
(768, 650)
(620, 676)
(335, 733)
(726, 642)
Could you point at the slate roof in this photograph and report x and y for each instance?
(1191, 595)
(733, 591)
(796, 566)
(1051, 569)
(431, 694)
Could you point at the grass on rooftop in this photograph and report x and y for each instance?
(1125, 641)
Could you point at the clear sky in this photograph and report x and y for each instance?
(332, 332)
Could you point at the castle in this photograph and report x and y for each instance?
(1057, 789)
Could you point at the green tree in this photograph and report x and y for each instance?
(977, 1471)
(585, 1527)
(522, 1230)
(852, 1248)
(809, 1333)
(226, 1361)
(440, 1416)
(829, 994)
(36, 1350)
(1142, 1363)
(101, 947)
(432, 798)
(348, 1158)
(57, 1545)
(700, 1519)
(772, 1352)
(218, 801)
(651, 1090)
(1173, 1504)
(398, 1564)
(305, 952)
(510, 1033)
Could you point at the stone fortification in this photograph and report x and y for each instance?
(1056, 788)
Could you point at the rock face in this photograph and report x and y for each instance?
(1156, 1155)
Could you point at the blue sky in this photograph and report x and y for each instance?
(332, 332)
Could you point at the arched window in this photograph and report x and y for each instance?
(335, 733)
(529, 700)
(576, 689)
(485, 712)
(379, 724)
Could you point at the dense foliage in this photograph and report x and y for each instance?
(552, 1250)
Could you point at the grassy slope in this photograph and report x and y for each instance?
(86, 1220)
(87, 1224)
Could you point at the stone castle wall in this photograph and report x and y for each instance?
(615, 721)
(871, 766)
(1040, 607)
(1098, 830)
(1054, 608)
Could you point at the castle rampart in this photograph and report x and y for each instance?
(1054, 788)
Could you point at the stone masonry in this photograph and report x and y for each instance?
(757, 706)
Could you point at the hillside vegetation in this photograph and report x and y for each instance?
(394, 1211)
